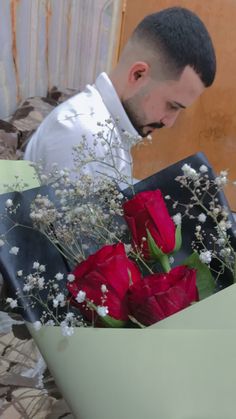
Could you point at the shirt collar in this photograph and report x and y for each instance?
(112, 101)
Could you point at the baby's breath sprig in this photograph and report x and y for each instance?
(203, 206)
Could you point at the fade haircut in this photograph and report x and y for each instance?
(180, 38)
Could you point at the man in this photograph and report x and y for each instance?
(165, 66)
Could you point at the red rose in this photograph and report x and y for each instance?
(111, 267)
(159, 295)
(148, 211)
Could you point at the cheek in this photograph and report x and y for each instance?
(154, 110)
(149, 104)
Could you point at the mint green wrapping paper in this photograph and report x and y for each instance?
(17, 171)
(181, 368)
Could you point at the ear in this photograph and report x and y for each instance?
(139, 72)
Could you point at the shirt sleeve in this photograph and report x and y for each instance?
(54, 141)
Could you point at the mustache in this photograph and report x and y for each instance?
(155, 125)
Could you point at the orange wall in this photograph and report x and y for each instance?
(210, 124)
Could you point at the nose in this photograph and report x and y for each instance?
(169, 120)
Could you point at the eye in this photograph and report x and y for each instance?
(172, 106)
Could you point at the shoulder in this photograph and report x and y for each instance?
(80, 113)
(86, 104)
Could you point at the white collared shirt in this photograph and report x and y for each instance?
(64, 127)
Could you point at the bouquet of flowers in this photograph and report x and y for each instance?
(119, 249)
(86, 252)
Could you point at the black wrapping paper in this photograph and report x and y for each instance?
(33, 246)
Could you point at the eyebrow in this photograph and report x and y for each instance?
(180, 105)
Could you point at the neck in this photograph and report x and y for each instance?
(117, 80)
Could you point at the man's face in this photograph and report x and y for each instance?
(157, 104)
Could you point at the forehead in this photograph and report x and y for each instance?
(185, 90)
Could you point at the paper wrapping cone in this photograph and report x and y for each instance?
(184, 367)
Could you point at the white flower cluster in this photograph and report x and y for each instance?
(52, 301)
(80, 298)
(202, 217)
(66, 330)
(204, 207)
(205, 256)
(101, 310)
(222, 180)
(43, 211)
(9, 203)
(12, 302)
(107, 153)
(177, 218)
(85, 214)
(189, 171)
(14, 250)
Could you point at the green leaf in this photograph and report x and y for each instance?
(205, 280)
(178, 238)
(157, 254)
(155, 251)
(108, 321)
(136, 322)
(111, 322)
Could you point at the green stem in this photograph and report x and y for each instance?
(164, 261)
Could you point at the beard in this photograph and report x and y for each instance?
(133, 112)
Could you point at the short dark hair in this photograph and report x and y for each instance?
(182, 38)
